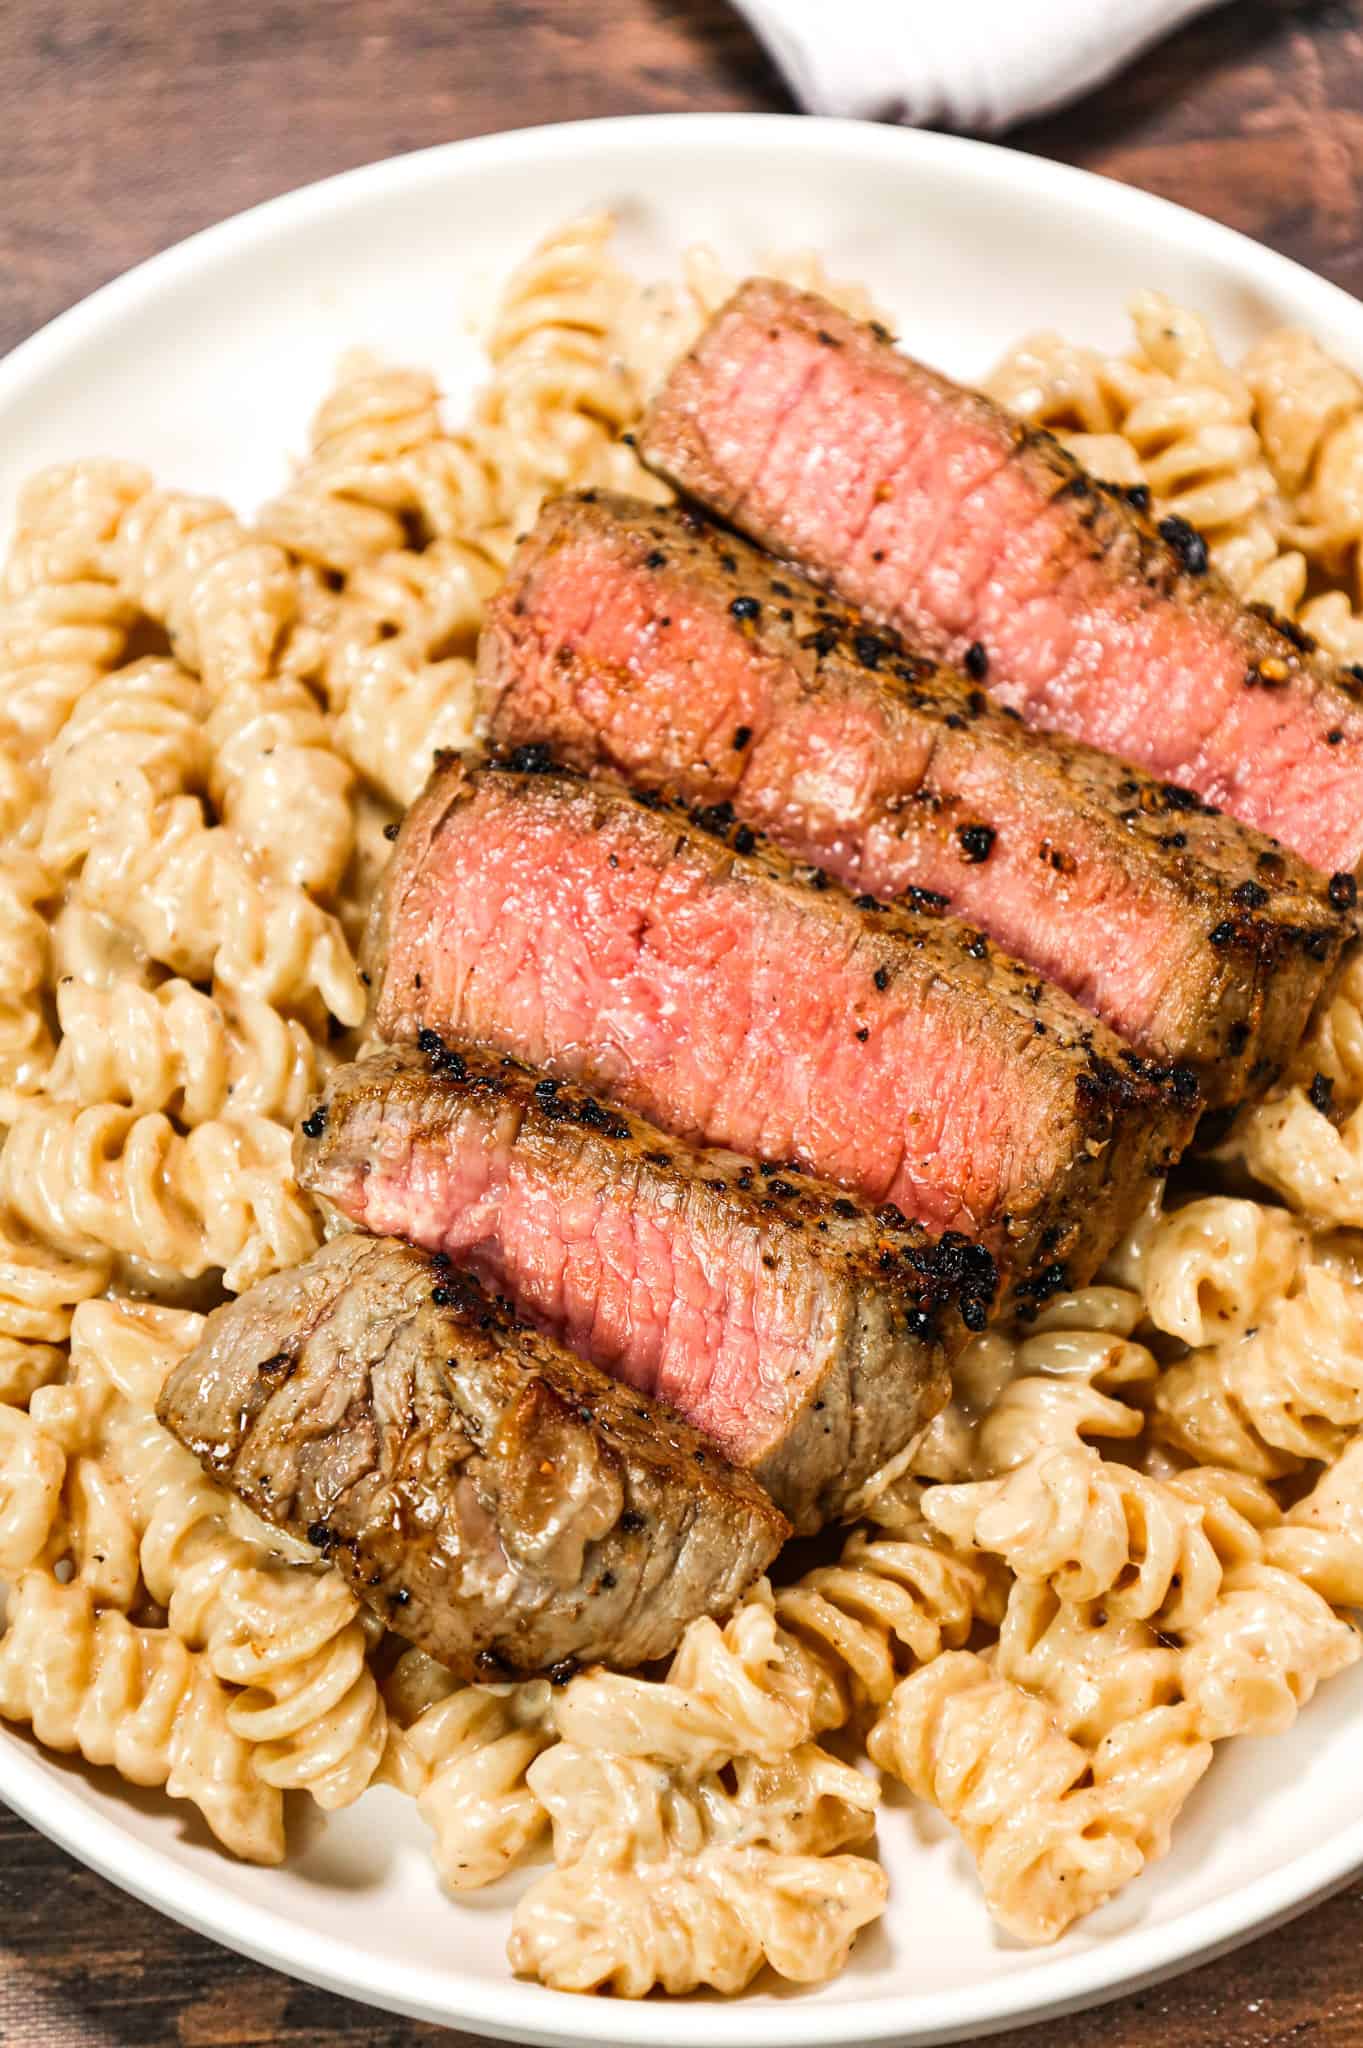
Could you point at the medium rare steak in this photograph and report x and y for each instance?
(941, 514)
(803, 1334)
(498, 1501)
(644, 638)
(719, 991)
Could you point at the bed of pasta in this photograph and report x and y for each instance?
(1136, 1532)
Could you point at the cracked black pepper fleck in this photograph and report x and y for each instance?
(976, 842)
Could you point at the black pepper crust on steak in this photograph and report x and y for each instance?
(943, 515)
(651, 642)
(503, 1504)
(807, 1334)
(698, 976)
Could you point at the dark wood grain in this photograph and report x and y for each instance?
(126, 124)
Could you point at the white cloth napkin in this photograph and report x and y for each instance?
(975, 65)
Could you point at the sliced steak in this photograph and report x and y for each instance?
(805, 1336)
(647, 640)
(944, 516)
(717, 990)
(503, 1504)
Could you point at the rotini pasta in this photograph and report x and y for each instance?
(1048, 1846)
(1293, 1148)
(221, 1196)
(225, 598)
(1115, 1689)
(1245, 1665)
(1074, 1374)
(661, 1796)
(133, 738)
(463, 1752)
(397, 709)
(559, 393)
(891, 1600)
(288, 1634)
(713, 1919)
(1213, 1267)
(465, 1759)
(382, 470)
(1093, 1529)
(32, 1473)
(25, 1040)
(613, 1808)
(138, 1699)
(40, 1287)
(66, 519)
(1309, 412)
(1320, 1540)
(63, 620)
(176, 1049)
(272, 757)
(87, 945)
(1093, 1671)
(186, 893)
(1283, 1394)
(1173, 417)
(1256, 1658)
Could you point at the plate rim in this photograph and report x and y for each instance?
(513, 2009)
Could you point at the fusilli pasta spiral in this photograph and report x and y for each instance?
(25, 1041)
(1093, 1529)
(106, 1177)
(288, 1633)
(173, 1048)
(1284, 1393)
(132, 739)
(1320, 1539)
(1316, 1165)
(225, 597)
(185, 891)
(662, 1796)
(713, 1919)
(1213, 1267)
(32, 1473)
(383, 471)
(138, 1699)
(465, 1759)
(1048, 1844)
(1064, 1380)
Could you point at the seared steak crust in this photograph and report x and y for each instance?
(498, 1501)
(803, 1334)
(717, 989)
(944, 516)
(645, 639)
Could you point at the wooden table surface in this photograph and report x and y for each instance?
(126, 124)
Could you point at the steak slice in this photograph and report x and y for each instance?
(501, 1503)
(943, 515)
(802, 1334)
(715, 990)
(642, 638)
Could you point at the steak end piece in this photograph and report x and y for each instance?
(803, 1334)
(499, 1502)
(651, 642)
(940, 513)
(737, 1000)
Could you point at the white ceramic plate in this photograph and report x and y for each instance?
(206, 364)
